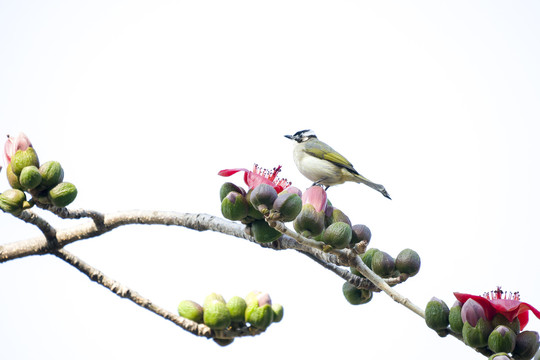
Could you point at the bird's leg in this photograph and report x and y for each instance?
(318, 183)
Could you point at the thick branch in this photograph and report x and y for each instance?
(39, 245)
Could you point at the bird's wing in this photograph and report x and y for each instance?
(325, 152)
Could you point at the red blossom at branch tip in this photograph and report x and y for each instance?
(505, 303)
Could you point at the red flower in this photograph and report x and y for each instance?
(260, 176)
(499, 302)
(20, 142)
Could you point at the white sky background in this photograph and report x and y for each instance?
(144, 102)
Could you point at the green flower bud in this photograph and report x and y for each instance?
(502, 339)
(500, 356)
(288, 205)
(500, 319)
(22, 159)
(237, 307)
(12, 201)
(227, 187)
(437, 313)
(263, 197)
(278, 312)
(251, 307)
(223, 342)
(252, 297)
(338, 235)
(263, 233)
(309, 222)
(190, 310)
(30, 177)
(13, 179)
(356, 296)
(63, 194)
(256, 300)
(367, 258)
(527, 344)
(234, 206)
(456, 323)
(360, 233)
(382, 264)
(252, 212)
(261, 317)
(336, 215)
(477, 336)
(408, 262)
(216, 315)
(213, 297)
(52, 174)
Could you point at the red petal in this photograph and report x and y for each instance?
(523, 320)
(252, 180)
(8, 149)
(229, 172)
(524, 312)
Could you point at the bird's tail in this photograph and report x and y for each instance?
(360, 179)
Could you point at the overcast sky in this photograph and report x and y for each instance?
(143, 102)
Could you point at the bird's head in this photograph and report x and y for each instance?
(302, 135)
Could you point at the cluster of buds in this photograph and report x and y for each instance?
(267, 195)
(493, 323)
(25, 175)
(255, 310)
(270, 198)
(405, 265)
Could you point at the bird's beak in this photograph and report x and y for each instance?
(289, 137)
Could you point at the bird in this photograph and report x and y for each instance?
(323, 165)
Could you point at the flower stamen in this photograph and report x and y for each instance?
(499, 294)
(271, 175)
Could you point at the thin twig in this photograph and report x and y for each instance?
(127, 293)
(358, 281)
(66, 213)
(46, 228)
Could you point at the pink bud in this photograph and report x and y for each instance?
(471, 312)
(264, 299)
(13, 144)
(316, 196)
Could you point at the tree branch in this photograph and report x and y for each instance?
(89, 229)
(127, 293)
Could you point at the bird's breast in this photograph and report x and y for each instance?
(317, 170)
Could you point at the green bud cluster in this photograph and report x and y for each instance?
(407, 262)
(255, 310)
(500, 336)
(251, 208)
(43, 183)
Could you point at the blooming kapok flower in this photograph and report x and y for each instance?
(13, 144)
(505, 303)
(260, 176)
